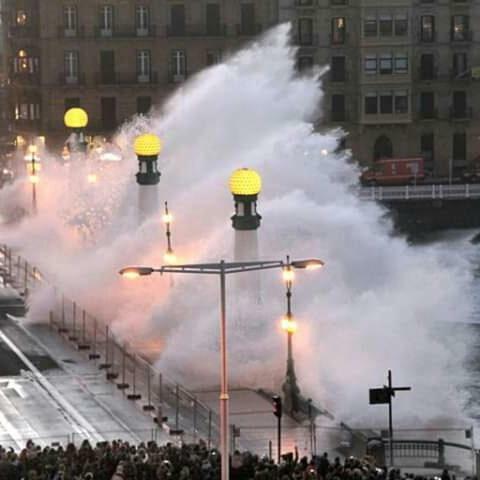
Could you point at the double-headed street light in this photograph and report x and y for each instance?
(222, 269)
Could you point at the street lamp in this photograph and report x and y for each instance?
(169, 257)
(33, 176)
(221, 269)
(245, 185)
(77, 119)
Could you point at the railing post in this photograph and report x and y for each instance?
(105, 365)
(441, 452)
(209, 439)
(177, 405)
(160, 400)
(50, 319)
(407, 192)
(194, 419)
(467, 190)
(270, 450)
(149, 407)
(94, 355)
(134, 395)
(84, 345)
(19, 266)
(63, 328)
(73, 336)
(123, 385)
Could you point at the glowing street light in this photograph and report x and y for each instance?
(222, 269)
(169, 257)
(77, 120)
(92, 178)
(245, 185)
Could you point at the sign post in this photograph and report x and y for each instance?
(384, 395)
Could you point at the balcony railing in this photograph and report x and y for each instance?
(126, 78)
(197, 30)
(25, 78)
(338, 39)
(460, 75)
(427, 74)
(306, 40)
(26, 31)
(127, 31)
(464, 36)
(426, 37)
(174, 77)
(64, 32)
(248, 30)
(338, 75)
(428, 114)
(67, 80)
(463, 113)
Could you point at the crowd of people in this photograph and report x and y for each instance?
(120, 460)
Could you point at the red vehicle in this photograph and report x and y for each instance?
(395, 171)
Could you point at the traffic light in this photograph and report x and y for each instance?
(277, 406)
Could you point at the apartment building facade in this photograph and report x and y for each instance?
(4, 107)
(116, 58)
(404, 75)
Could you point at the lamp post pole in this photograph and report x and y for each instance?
(34, 185)
(222, 269)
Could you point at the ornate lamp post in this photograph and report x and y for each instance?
(76, 119)
(147, 148)
(222, 269)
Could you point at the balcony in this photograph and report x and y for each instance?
(197, 31)
(115, 78)
(306, 40)
(461, 113)
(338, 75)
(64, 32)
(70, 80)
(126, 31)
(25, 31)
(463, 36)
(248, 30)
(427, 74)
(428, 114)
(25, 78)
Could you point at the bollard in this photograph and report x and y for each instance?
(134, 395)
(123, 385)
(84, 345)
(105, 365)
(159, 419)
(63, 328)
(94, 355)
(270, 450)
(149, 407)
(73, 336)
(112, 375)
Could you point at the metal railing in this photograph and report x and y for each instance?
(420, 192)
(169, 403)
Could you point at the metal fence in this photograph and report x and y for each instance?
(420, 192)
(170, 405)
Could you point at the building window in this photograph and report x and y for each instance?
(339, 30)
(401, 101)
(71, 66)
(460, 65)
(386, 103)
(71, 102)
(142, 20)
(21, 18)
(370, 26)
(383, 148)
(305, 31)
(27, 111)
(247, 19)
(401, 63)
(427, 146)
(108, 112)
(427, 105)
(107, 66)
(459, 147)
(337, 69)
(178, 65)
(214, 57)
(371, 106)
(106, 20)
(385, 25)
(386, 64)
(427, 66)
(70, 18)
(304, 62)
(371, 64)
(401, 25)
(460, 27)
(23, 63)
(459, 104)
(143, 66)
(338, 108)
(144, 104)
(177, 18)
(213, 19)
(427, 28)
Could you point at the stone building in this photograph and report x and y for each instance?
(116, 58)
(404, 75)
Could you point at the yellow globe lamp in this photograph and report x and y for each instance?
(76, 118)
(147, 145)
(245, 181)
(245, 185)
